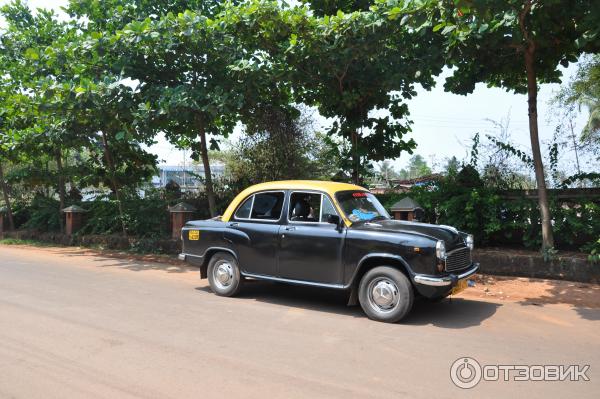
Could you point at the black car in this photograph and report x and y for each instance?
(332, 235)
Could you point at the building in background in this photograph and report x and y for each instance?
(189, 178)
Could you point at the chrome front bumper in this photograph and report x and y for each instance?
(446, 280)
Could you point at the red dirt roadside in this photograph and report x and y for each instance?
(533, 291)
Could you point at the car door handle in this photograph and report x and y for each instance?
(290, 228)
(234, 224)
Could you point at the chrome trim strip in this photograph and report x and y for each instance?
(185, 255)
(290, 281)
(433, 281)
(446, 280)
(455, 250)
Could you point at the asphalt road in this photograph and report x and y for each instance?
(74, 325)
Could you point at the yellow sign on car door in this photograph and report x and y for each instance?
(194, 235)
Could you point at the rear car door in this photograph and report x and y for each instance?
(253, 231)
(311, 248)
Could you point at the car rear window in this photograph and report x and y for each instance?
(267, 206)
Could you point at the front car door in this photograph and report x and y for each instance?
(311, 248)
(253, 230)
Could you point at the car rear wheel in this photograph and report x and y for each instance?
(385, 294)
(224, 274)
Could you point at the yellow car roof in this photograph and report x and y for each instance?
(328, 187)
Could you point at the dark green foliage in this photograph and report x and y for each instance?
(281, 147)
(594, 251)
(331, 7)
(495, 220)
(43, 214)
(144, 217)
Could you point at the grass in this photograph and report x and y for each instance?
(35, 243)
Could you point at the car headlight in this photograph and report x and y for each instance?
(440, 249)
(470, 241)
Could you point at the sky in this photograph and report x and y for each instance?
(444, 123)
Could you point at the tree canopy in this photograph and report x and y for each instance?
(81, 98)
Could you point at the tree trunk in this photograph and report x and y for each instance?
(111, 169)
(355, 159)
(61, 189)
(547, 237)
(11, 221)
(208, 184)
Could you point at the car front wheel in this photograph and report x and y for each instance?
(385, 294)
(224, 274)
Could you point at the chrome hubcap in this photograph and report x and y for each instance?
(383, 295)
(223, 274)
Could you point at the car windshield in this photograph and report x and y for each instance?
(361, 206)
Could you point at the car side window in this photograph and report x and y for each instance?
(243, 211)
(267, 206)
(327, 209)
(304, 207)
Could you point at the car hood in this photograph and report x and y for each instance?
(451, 237)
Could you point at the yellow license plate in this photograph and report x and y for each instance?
(461, 285)
(194, 235)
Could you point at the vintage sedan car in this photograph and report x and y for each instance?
(331, 235)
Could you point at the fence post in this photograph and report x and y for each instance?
(74, 215)
(180, 215)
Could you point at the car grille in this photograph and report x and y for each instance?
(458, 259)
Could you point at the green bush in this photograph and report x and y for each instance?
(42, 214)
(594, 250)
(144, 217)
(462, 201)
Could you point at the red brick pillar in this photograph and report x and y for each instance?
(74, 219)
(180, 215)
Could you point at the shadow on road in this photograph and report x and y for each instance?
(132, 262)
(451, 313)
(310, 298)
(458, 313)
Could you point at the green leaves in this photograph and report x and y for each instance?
(32, 54)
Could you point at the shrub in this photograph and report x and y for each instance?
(43, 214)
(461, 201)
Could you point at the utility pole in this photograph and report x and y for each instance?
(573, 137)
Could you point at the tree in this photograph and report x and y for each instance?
(584, 91)
(26, 36)
(452, 166)
(356, 68)
(515, 44)
(283, 148)
(13, 107)
(387, 172)
(331, 7)
(182, 64)
(417, 167)
(77, 100)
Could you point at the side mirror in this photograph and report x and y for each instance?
(333, 219)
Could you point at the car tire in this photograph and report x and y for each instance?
(385, 294)
(224, 274)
